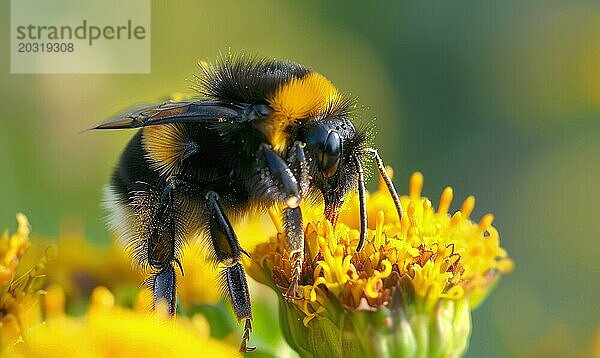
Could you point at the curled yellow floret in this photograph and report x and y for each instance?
(20, 288)
(409, 292)
(427, 256)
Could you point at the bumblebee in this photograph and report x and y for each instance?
(265, 133)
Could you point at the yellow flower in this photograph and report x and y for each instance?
(84, 265)
(424, 272)
(109, 330)
(32, 326)
(12, 248)
(19, 296)
(200, 279)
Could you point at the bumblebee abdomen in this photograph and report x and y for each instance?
(133, 171)
(152, 158)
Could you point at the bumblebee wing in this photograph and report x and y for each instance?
(172, 112)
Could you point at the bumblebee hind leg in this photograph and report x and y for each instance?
(163, 288)
(228, 252)
(161, 239)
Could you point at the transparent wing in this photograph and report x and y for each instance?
(172, 112)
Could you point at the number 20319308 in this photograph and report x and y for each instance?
(45, 47)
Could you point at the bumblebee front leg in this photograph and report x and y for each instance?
(276, 182)
(228, 252)
(292, 218)
(297, 162)
(294, 232)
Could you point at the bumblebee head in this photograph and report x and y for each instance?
(333, 149)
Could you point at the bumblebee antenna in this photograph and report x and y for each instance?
(363, 205)
(387, 180)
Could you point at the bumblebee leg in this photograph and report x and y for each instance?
(297, 162)
(223, 238)
(228, 252)
(163, 288)
(162, 246)
(239, 295)
(281, 172)
(387, 180)
(274, 180)
(294, 230)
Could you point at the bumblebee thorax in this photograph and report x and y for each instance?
(297, 100)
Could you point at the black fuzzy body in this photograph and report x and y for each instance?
(194, 165)
(224, 162)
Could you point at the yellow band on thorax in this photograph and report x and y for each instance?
(297, 100)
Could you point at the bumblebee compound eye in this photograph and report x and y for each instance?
(327, 148)
(332, 152)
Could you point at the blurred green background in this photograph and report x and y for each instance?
(498, 99)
